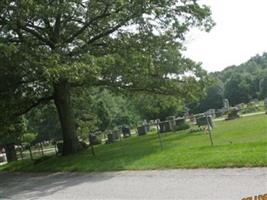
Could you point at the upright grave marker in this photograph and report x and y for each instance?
(226, 104)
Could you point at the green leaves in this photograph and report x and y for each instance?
(122, 45)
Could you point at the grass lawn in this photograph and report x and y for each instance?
(237, 143)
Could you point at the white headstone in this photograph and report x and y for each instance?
(226, 104)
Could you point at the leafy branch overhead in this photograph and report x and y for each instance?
(67, 31)
(52, 46)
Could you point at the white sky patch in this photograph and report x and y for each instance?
(240, 33)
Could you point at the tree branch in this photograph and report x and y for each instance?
(38, 36)
(86, 25)
(97, 37)
(43, 100)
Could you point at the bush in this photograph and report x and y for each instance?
(233, 114)
(250, 108)
(183, 126)
(29, 137)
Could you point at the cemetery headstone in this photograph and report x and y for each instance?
(142, 130)
(126, 132)
(93, 140)
(172, 122)
(219, 112)
(192, 118)
(146, 125)
(117, 134)
(59, 148)
(211, 112)
(201, 120)
(181, 120)
(226, 104)
(165, 126)
(111, 138)
(181, 124)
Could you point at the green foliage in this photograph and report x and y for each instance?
(48, 48)
(11, 131)
(97, 109)
(44, 122)
(240, 84)
(153, 107)
(233, 113)
(239, 89)
(90, 43)
(263, 85)
(245, 82)
(250, 108)
(183, 126)
(28, 138)
(212, 100)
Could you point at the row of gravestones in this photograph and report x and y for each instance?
(170, 124)
(164, 126)
(112, 136)
(205, 120)
(232, 113)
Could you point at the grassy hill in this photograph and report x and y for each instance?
(237, 143)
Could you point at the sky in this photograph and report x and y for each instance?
(240, 33)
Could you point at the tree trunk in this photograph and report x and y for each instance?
(64, 108)
(10, 152)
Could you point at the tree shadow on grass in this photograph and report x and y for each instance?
(43, 185)
(134, 153)
(122, 155)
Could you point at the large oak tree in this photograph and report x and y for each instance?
(49, 47)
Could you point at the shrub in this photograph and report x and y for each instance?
(233, 114)
(183, 126)
(250, 108)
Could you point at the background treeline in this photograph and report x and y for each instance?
(239, 84)
(100, 110)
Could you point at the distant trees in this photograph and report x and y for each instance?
(152, 107)
(239, 84)
(239, 89)
(263, 85)
(245, 82)
(212, 100)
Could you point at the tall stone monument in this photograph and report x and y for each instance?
(226, 104)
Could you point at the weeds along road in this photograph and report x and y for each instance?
(199, 184)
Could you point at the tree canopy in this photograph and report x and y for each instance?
(52, 46)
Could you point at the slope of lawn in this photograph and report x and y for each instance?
(237, 143)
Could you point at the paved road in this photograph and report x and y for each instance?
(201, 184)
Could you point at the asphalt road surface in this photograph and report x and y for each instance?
(198, 184)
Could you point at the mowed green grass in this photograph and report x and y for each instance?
(237, 143)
